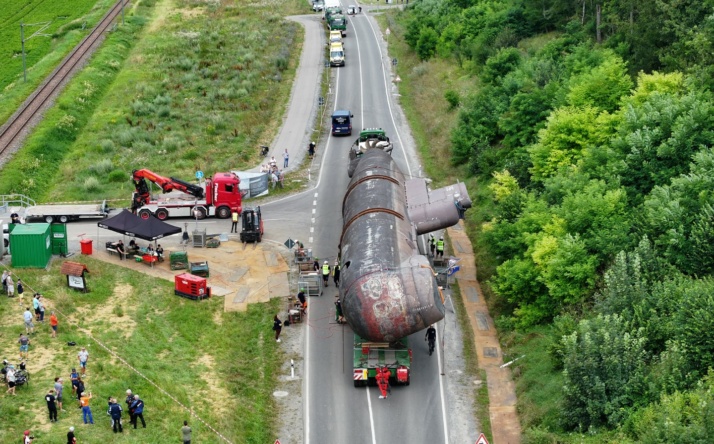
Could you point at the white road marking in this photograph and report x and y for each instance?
(313, 210)
(389, 104)
(314, 202)
(371, 416)
(312, 230)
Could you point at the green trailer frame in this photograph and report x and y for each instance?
(369, 356)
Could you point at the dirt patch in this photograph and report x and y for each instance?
(117, 310)
(216, 394)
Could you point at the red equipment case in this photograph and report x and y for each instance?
(191, 287)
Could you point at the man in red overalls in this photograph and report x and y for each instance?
(382, 377)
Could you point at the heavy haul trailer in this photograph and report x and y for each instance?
(65, 213)
(28, 209)
(369, 356)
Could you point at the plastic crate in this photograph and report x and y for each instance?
(178, 260)
(199, 268)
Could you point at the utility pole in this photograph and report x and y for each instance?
(43, 26)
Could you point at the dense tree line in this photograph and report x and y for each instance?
(598, 149)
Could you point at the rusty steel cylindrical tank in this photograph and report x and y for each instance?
(388, 290)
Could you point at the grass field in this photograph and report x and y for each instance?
(68, 22)
(222, 365)
(186, 85)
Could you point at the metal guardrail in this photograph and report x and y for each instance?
(18, 200)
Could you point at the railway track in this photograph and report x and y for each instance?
(17, 127)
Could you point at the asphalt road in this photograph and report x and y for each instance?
(335, 411)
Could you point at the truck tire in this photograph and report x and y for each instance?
(144, 214)
(360, 384)
(49, 219)
(162, 214)
(260, 237)
(6, 242)
(63, 219)
(223, 212)
(201, 213)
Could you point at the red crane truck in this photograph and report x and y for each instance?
(218, 198)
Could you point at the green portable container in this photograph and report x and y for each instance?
(31, 245)
(59, 238)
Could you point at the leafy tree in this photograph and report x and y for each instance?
(426, 45)
(600, 216)
(659, 137)
(500, 64)
(679, 216)
(566, 135)
(682, 417)
(602, 87)
(477, 125)
(605, 368)
(526, 115)
(517, 281)
(566, 268)
(694, 321)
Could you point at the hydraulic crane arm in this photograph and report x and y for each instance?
(167, 184)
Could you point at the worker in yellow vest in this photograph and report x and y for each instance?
(325, 273)
(234, 217)
(440, 247)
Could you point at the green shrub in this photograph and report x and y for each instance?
(118, 176)
(426, 45)
(101, 168)
(453, 99)
(91, 184)
(106, 145)
(605, 366)
(125, 137)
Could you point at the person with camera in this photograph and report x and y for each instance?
(86, 411)
(27, 439)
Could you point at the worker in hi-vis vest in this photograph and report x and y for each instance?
(440, 247)
(234, 217)
(325, 273)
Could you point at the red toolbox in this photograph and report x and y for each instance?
(191, 287)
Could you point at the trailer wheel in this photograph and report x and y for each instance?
(223, 213)
(63, 219)
(260, 237)
(162, 214)
(201, 213)
(360, 384)
(145, 214)
(6, 242)
(49, 219)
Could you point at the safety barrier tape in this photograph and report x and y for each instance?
(124, 361)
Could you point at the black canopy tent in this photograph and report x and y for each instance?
(129, 224)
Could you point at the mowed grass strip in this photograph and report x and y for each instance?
(221, 365)
(69, 22)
